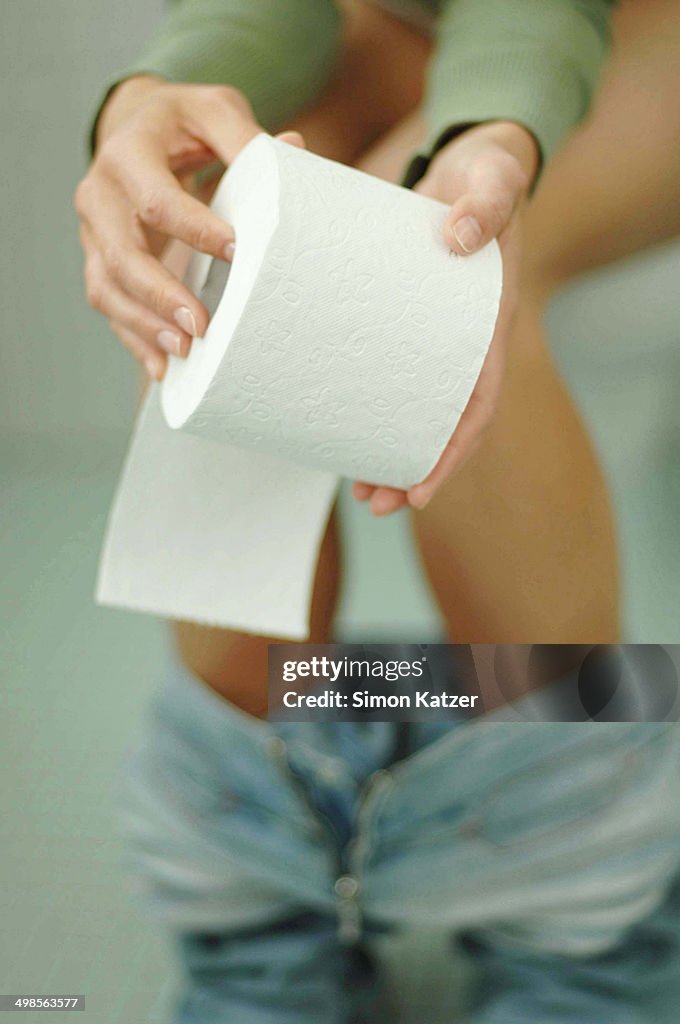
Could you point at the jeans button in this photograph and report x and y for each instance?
(346, 887)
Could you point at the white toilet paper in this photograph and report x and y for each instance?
(347, 341)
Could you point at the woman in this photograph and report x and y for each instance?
(224, 809)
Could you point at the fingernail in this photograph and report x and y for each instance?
(185, 319)
(229, 251)
(170, 341)
(468, 233)
(153, 367)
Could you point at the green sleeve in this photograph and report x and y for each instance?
(279, 53)
(531, 61)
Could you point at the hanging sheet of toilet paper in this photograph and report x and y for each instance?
(345, 340)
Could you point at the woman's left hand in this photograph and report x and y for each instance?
(484, 174)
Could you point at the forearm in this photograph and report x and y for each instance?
(535, 62)
(279, 53)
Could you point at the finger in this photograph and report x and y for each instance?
(293, 139)
(136, 272)
(484, 210)
(153, 360)
(386, 500)
(146, 280)
(462, 446)
(362, 491)
(165, 207)
(117, 306)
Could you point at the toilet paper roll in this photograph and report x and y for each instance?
(345, 339)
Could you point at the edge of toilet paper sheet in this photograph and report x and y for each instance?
(205, 531)
(212, 533)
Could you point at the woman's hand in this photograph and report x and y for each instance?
(484, 174)
(152, 135)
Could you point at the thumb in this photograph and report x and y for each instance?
(480, 214)
(293, 139)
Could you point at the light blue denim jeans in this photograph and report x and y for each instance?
(283, 856)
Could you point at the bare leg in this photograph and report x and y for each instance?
(235, 664)
(520, 547)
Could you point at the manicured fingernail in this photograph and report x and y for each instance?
(468, 233)
(229, 251)
(170, 341)
(185, 319)
(154, 367)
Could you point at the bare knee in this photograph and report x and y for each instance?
(235, 664)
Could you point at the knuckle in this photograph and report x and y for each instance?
(160, 298)
(143, 325)
(224, 94)
(153, 207)
(114, 260)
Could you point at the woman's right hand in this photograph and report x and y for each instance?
(150, 136)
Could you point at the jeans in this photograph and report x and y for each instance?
(283, 856)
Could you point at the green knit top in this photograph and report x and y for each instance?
(531, 61)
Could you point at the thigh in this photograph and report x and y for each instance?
(235, 664)
(519, 546)
(529, 516)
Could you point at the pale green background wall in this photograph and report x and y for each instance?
(74, 677)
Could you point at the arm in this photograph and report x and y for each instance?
(278, 53)
(535, 62)
(506, 84)
(261, 59)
